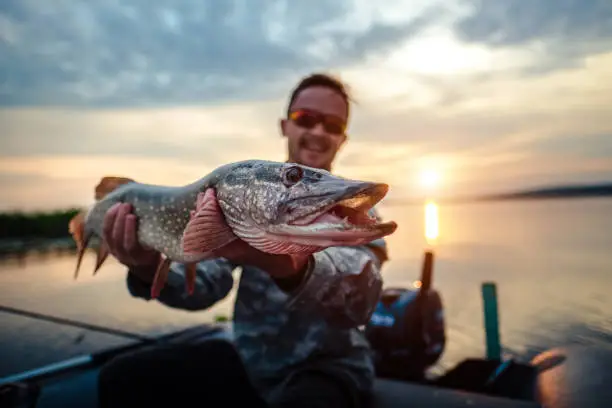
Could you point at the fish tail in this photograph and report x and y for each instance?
(78, 224)
(81, 235)
(101, 256)
(76, 227)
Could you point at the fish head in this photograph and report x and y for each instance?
(292, 208)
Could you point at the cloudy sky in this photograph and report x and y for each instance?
(492, 95)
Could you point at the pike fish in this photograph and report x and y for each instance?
(278, 208)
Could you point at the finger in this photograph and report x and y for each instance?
(206, 198)
(211, 196)
(108, 225)
(118, 233)
(136, 252)
(130, 241)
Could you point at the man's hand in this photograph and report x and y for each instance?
(241, 253)
(278, 266)
(120, 235)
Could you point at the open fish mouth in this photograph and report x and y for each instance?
(343, 219)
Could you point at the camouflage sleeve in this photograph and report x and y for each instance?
(342, 284)
(214, 281)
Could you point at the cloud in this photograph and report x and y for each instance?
(108, 53)
(584, 146)
(562, 32)
(49, 182)
(204, 135)
(493, 116)
(502, 135)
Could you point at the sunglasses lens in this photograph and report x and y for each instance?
(305, 120)
(334, 128)
(309, 120)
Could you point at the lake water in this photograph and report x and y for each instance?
(550, 259)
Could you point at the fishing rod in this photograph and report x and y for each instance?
(75, 323)
(79, 361)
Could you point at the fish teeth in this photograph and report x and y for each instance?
(346, 223)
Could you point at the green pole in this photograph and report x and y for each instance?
(491, 320)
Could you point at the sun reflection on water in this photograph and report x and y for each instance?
(432, 225)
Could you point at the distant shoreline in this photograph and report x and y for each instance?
(599, 190)
(549, 193)
(22, 233)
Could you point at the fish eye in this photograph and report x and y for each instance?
(292, 175)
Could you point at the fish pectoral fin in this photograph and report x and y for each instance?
(207, 230)
(161, 276)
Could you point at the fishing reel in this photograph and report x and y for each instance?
(406, 333)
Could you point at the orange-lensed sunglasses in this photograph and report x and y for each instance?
(309, 119)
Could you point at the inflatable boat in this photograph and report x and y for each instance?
(407, 336)
(572, 377)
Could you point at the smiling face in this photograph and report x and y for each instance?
(315, 129)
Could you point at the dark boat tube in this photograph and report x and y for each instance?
(575, 377)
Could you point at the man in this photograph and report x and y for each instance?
(310, 353)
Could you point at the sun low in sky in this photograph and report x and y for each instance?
(429, 179)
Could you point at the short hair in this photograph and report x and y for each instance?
(324, 80)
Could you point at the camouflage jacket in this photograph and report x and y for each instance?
(276, 331)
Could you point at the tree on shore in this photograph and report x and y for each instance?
(49, 225)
